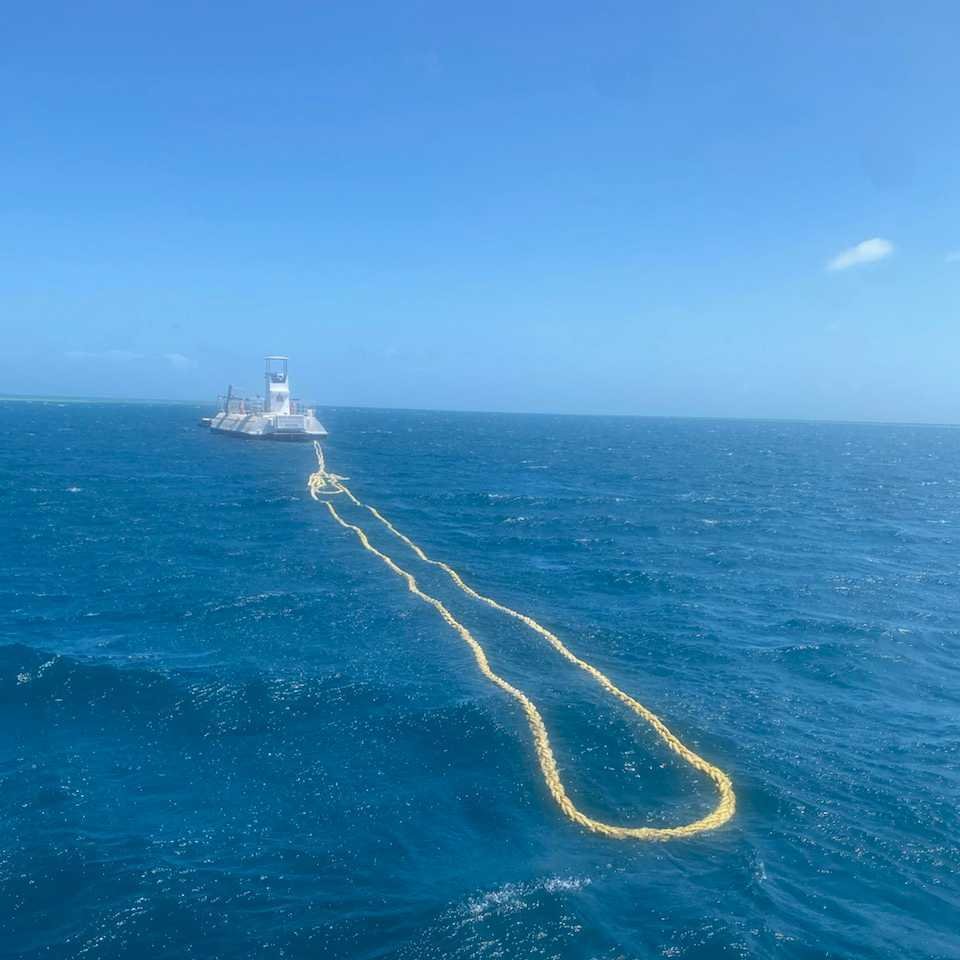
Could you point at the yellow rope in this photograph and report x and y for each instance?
(323, 482)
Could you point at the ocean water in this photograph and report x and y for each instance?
(227, 731)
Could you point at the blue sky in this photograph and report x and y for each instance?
(690, 209)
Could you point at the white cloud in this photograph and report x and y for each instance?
(953, 256)
(179, 362)
(866, 252)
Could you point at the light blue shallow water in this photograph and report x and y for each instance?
(226, 731)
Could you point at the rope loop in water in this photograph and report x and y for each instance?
(322, 482)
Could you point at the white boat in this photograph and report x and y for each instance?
(274, 416)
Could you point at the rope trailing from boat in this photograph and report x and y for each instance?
(323, 483)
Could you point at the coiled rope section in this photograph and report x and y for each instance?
(322, 483)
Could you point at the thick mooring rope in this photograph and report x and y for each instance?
(322, 483)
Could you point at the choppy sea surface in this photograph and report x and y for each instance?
(227, 731)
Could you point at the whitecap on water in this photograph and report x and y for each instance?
(514, 897)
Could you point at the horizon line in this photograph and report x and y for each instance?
(57, 398)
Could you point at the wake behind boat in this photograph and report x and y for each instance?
(274, 416)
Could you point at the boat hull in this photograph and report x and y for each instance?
(254, 426)
(272, 437)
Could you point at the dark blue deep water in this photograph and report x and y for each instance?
(226, 731)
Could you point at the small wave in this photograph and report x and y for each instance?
(515, 897)
(193, 706)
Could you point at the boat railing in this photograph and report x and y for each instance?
(249, 405)
(240, 405)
